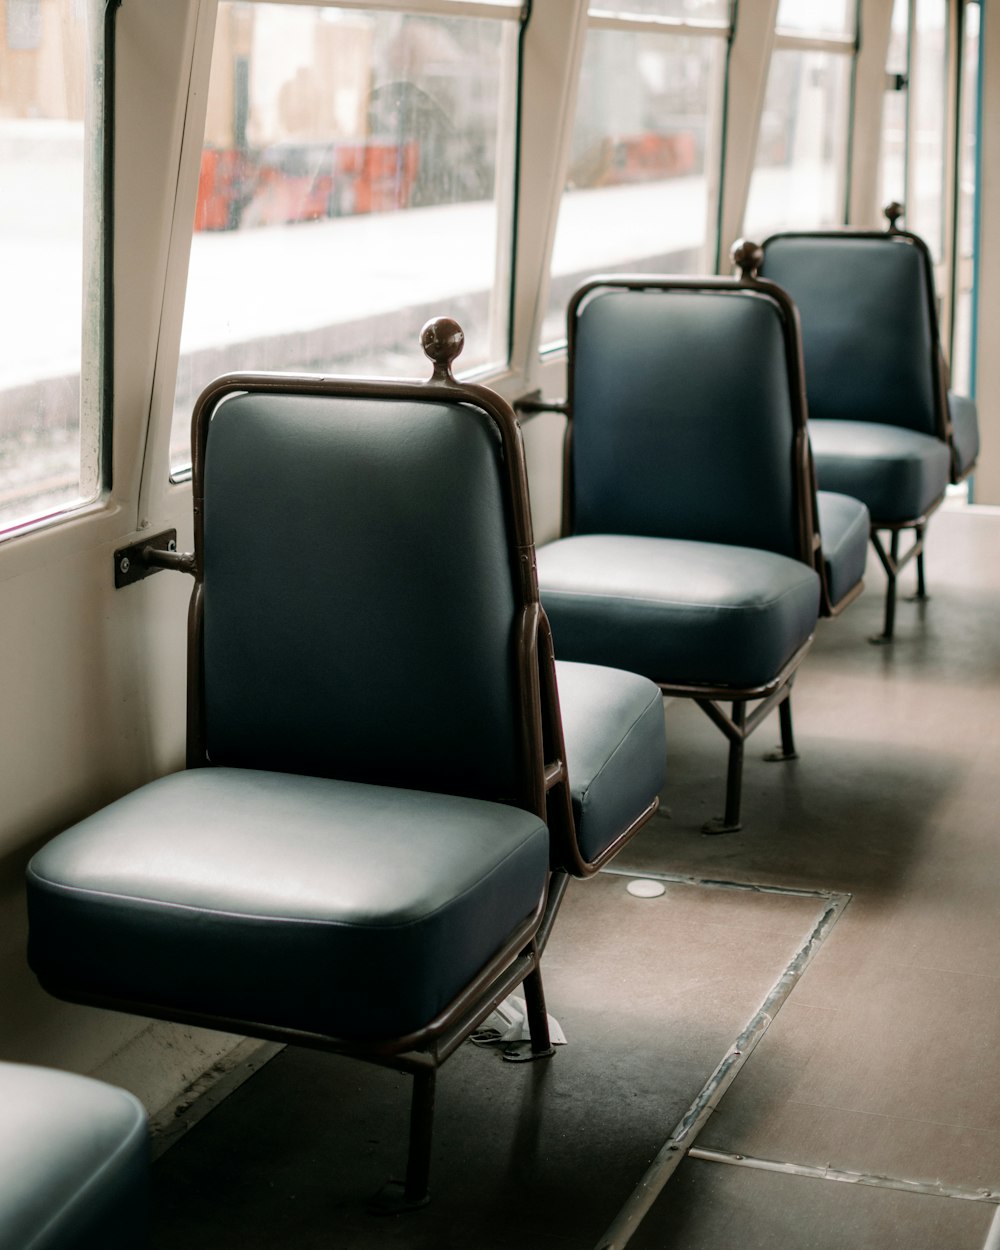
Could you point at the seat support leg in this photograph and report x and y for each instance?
(734, 773)
(540, 1046)
(786, 751)
(921, 582)
(892, 562)
(889, 622)
(731, 822)
(394, 1199)
(538, 1019)
(418, 1164)
(737, 728)
(787, 736)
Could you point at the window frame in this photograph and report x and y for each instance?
(96, 323)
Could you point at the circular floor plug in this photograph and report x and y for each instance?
(644, 888)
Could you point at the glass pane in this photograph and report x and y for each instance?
(893, 149)
(49, 73)
(816, 17)
(897, 58)
(697, 10)
(925, 214)
(638, 197)
(893, 157)
(356, 179)
(800, 168)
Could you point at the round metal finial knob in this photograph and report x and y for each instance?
(442, 339)
(747, 256)
(893, 211)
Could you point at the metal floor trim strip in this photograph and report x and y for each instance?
(932, 1188)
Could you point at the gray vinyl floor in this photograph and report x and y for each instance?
(864, 1105)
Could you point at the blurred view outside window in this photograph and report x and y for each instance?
(800, 169)
(642, 188)
(894, 108)
(690, 10)
(928, 93)
(49, 429)
(816, 17)
(356, 179)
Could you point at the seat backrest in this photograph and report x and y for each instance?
(360, 601)
(684, 424)
(868, 327)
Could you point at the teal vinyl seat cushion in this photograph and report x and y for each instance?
(703, 614)
(615, 748)
(844, 524)
(965, 431)
(333, 907)
(897, 473)
(73, 1163)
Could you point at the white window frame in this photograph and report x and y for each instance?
(96, 303)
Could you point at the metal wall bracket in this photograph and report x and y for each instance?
(133, 563)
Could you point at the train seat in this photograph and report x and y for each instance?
(884, 426)
(690, 551)
(376, 826)
(73, 1163)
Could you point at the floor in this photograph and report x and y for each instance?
(806, 1065)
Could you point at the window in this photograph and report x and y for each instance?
(800, 170)
(915, 118)
(356, 179)
(642, 188)
(894, 107)
(715, 11)
(929, 104)
(50, 220)
(799, 173)
(816, 17)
